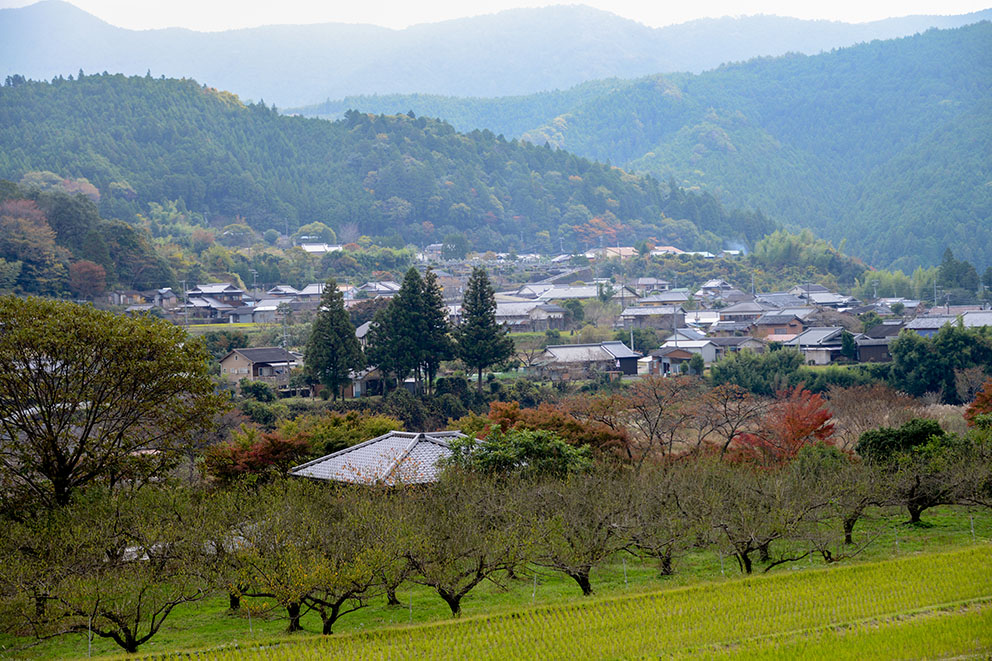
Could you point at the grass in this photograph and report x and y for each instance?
(892, 605)
(208, 623)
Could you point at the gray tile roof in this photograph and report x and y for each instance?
(394, 458)
(266, 355)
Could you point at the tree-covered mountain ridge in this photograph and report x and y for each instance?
(401, 178)
(886, 145)
(518, 51)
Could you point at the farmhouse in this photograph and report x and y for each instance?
(268, 364)
(394, 458)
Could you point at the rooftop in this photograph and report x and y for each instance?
(394, 458)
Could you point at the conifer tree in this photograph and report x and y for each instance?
(398, 331)
(481, 341)
(332, 350)
(437, 342)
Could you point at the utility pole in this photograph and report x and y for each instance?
(185, 306)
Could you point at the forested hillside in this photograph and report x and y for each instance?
(886, 144)
(401, 179)
(519, 51)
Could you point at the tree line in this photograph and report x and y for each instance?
(411, 335)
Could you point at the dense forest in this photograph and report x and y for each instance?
(401, 179)
(885, 144)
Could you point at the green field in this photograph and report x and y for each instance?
(861, 609)
(936, 604)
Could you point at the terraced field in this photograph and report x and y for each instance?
(932, 605)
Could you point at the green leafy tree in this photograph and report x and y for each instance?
(524, 451)
(332, 351)
(87, 395)
(848, 348)
(455, 246)
(481, 341)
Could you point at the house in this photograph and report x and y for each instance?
(804, 291)
(668, 297)
(365, 383)
(744, 311)
(664, 361)
(728, 345)
(561, 362)
(611, 252)
(282, 291)
(771, 324)
(654, 316)
(664, 251)
(377, 288)
(888, 328)
(780, 299)
(311, 293)
(267, 364)
(644, 286)
(223, 292)
(704, 347)
(819, 345)
(320, 248)
(929, 325)
(532, 315)
(714, 289)
(586, 292)
(391, 459)
(874, 349)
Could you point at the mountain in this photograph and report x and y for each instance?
(514, 52)
(885, 145)
(404, 179)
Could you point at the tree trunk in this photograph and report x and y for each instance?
(233, 601)
(914, 511)
(391, 599)
(294, 617)
(849, 528)
(665, 563)
(454, 602)
(764, 552)
(582, 578)
(744, 560)
(480, 380)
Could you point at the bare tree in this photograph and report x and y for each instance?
(461, 532)
(582, 523)
(114, 564)
(860, 408)
(729, 411)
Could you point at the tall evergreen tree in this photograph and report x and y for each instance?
(481, 341)
(397, 335)
(437, 342)
(332, 350)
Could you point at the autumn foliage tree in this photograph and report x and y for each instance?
(598, 436)
(982, 405)
(797, 419)
(87, 279)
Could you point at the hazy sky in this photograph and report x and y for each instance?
(226, 14)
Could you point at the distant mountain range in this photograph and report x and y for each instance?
(514, 52)
(885, 145)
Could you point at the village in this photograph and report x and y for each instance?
(644, 326)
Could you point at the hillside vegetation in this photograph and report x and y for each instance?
(885, 144)
(141, 140)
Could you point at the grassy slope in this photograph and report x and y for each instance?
(208, 624)
(912, 606)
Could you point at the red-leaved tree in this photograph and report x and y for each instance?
(982, 405)
(796, 419)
